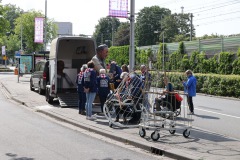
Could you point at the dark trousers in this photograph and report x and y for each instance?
(81, 101)
(102, 101)
(190, 103)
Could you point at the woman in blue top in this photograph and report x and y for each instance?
(90, 88)
(190, 88)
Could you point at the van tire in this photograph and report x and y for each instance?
(31, 85)
(40, 90)
(49, 99)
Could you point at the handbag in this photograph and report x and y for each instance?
(178, 97)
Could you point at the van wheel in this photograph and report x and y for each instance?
(49, 99)
(31, 86)
(40, 91)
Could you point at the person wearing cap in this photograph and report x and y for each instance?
(190, 88)
(99, 58)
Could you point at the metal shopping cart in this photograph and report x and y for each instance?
(167, 113)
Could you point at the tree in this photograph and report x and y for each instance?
(105, 29)
(4, 23)
(170, 28)
(122, 36)
(12, 13)
(25, 25)
(184, 25)
(149, 20)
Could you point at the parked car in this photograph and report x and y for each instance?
(40, 76)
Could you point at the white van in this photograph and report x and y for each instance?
(67, 55)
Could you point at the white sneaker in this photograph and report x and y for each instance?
(92, 118)
(88, 118)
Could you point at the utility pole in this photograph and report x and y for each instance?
(163, 53)
(132, 19)
(191, 19)
(112, 31)
(182, 20)
(45, 27)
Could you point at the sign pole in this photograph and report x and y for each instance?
(132, 19)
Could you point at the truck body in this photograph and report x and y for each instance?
(67, 55)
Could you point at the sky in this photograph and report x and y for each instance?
(220, 17)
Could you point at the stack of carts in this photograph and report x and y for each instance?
(163, 111)
(137, 103)
(123, 106)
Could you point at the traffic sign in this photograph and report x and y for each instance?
(3, 50)
(18, 55)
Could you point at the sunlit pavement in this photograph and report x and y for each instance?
(200, 144)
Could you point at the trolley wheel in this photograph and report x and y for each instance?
(142, 132)
(162, 125)
(110, 125)
(178, 112)
(186, 133)
(172, 131)
(155, 136)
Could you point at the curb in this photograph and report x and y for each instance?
(149, 148)
(154, 150)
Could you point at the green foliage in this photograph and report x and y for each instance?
(213, 84)
(149, 19)
(225, 62)
(236, 64)
(25, 25)
(122, 36)
(213, 64)
(119, 54)
(184, 63)
(181, 49)
(104, 29)
(159, 64)
(193, 60)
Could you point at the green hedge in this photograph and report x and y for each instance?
(214, 84)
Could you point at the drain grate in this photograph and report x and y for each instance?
(157, 151)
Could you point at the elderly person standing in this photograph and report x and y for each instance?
(103, 87)
(99, 58)
(80, 89)
(190, 87)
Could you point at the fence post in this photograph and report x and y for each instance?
(222, 49)
(199, 45)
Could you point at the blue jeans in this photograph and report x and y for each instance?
(90, 96)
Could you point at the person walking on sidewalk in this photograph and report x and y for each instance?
(190, 88)
(90, 88)
(80, 90)
(103, 87)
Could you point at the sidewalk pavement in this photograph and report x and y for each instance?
(200, 144)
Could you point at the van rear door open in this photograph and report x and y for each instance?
(67, 55)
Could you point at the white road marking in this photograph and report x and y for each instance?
(217, 113)
(45, 107)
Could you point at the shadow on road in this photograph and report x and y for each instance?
(205, 116)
